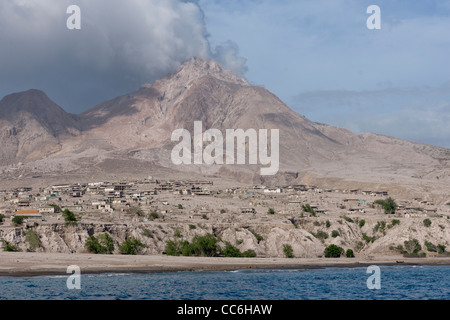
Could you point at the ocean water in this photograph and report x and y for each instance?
(397, 283)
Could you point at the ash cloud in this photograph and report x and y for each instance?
(121, 45)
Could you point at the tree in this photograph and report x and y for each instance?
(307, 208)
(427, 222)
(349, 253)
(18, 220)
(69, 217)
(388, 205)
(288, 251)
(333, 251)
(131, 246)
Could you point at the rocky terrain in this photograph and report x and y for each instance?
(304, 235)
(130, 137)
(133, 131)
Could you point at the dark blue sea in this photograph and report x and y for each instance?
(396, 283)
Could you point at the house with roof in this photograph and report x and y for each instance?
(29, 215)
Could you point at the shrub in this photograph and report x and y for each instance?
(333, 251)
(33, 239)
(2, 217)
(9, 247)
(180, 206)
(249, 254)
(191, 227)
(380, 226)
(362, 223)
(231, 251)
(17, 220)
(349, 253)
(174, 248)
(320, 235)
(257, 236)
(271, 211)
(104, 244)
(335, 233)
(152, 216)
(441, 248)
(430, 247)
(307, 208)
(148, 233)
(135, 210)
(427, 222)
(368, 239)
(412, 247)
(348, 219)
(328, 224)
(205, 246)
(288, 251)
(69, 217)
(177, 233)
(395, 222)
(131, 246)
(388, 205)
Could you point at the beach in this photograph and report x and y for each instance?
(34, 264)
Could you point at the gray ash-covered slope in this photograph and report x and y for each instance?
(32, 126)
(134, 130)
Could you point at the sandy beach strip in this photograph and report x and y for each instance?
(33, 264)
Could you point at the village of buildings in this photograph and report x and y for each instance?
(189, 201)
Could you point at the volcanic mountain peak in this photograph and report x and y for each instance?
(197, 68)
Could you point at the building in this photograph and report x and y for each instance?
(30, 215)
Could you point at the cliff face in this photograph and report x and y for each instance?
(306, 236)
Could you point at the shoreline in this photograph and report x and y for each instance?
(23, 264)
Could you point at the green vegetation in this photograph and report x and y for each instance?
(362, 223)
(441, 248)
(388, 205)
(177, 233)
(368, 239)
(104, 244)
(131, 246)
(333, 251)
(349, 253)
(33, 239)
(180, 206)
(135, 210)
(427, 222)
(148, 233)
(204, 246)
(288, 251)
(231, 251)
(394, 222)
(335, 233)
(380, 226)
(257, 236)
(320, 235)
(9, 247)
(430, 247)
(69, 217)
(1, 218)
(271, 211)
(57, 208)
(412, 248)
(152, 216)
(192, 227)
(328, 224)
(17, 220)
(348, 219)
(307, 208)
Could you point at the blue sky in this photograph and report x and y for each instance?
(318, 56)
